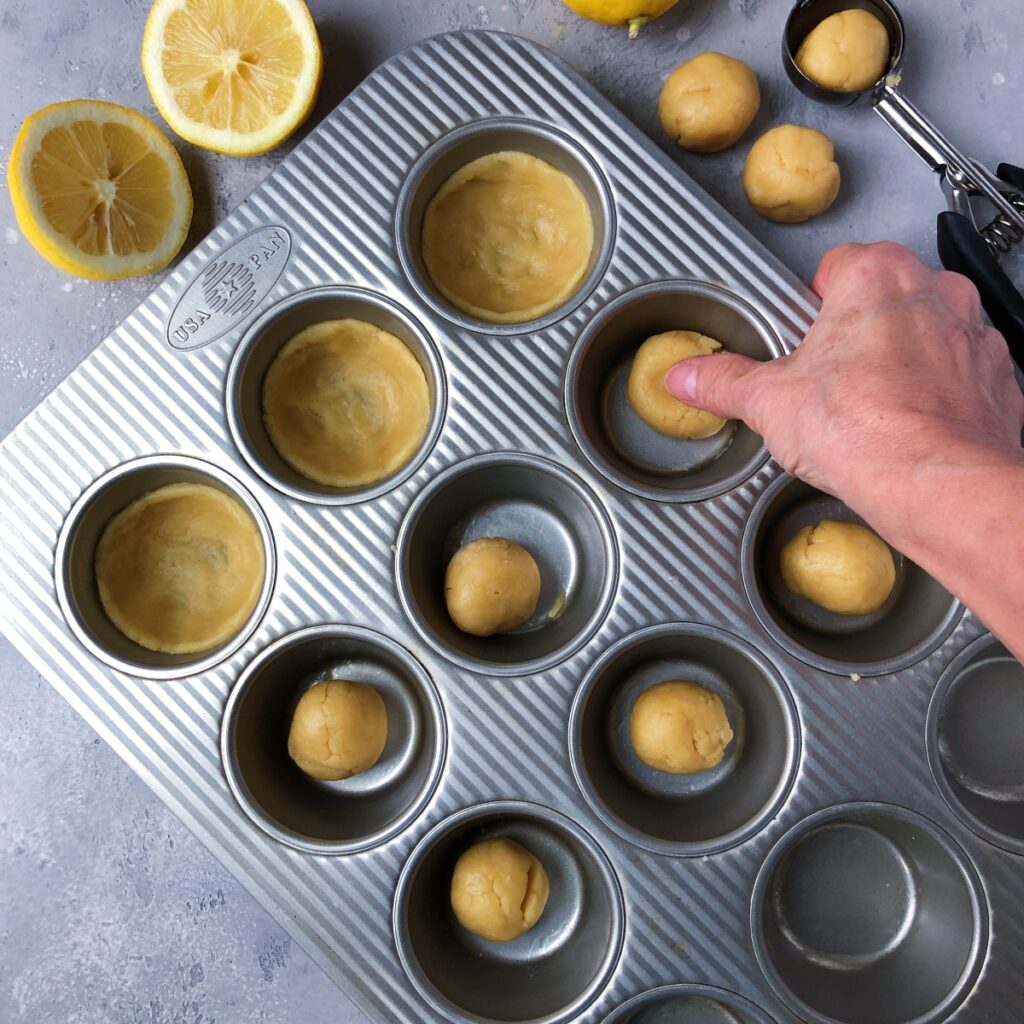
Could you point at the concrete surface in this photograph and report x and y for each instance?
(110, 911)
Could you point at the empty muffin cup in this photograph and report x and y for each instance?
(261, 345)
(482, 138)
(611, 433)
(537, 504)
(353, 814)
(917, 617)
(692, 1004)
(869, 914)
(551, 973)
(974, 730)
(711, 810)
(75, 564)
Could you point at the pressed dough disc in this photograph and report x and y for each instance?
(345, 403)
(507, 238)
(180, 569)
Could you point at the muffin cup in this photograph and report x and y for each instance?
(261, 345)
(469, 143)
(610, 432)
(352, 814)
(75, 564)
(974, 730)
(692, 1004)
(869, 914)
(685, 815)
(537, 504)
(918, 616)
(551, 973)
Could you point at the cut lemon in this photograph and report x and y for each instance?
(98, 190)
(234, 76)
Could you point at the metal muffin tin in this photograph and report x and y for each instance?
(758, 894)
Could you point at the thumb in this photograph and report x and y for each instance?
(715, 383)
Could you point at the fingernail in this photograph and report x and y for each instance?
(681, 381)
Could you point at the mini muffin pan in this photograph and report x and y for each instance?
(854, 859)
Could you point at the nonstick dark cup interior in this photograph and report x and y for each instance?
(688, 1004)
(918, 616)
(553, 971)
(869, 914)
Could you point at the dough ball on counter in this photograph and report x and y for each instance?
(499, 890)
(842, 567)
(346, 403)
(791, 174)
(492, 585)
(180, 569)
(652, 401)
(847, 52)
(507, 238)
(679, 727)
(707, 103)
(338, 730)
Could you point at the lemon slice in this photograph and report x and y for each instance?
(98, 189)
(234, 76)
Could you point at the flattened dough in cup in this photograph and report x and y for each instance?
(499, 889)
(842, 567)
(491, 585)
(507, 238)
(345, 403)
(847, 52)
(180, 569)
(652, 401)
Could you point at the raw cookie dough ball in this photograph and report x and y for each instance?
(338, 730)
(507, 238)
(180, 569)
(679, 727)
(345, 403)
(847, 52)
(492, 585)
(707, 103)
(650, 398)
(791, 174)
(843, 567)
(499, 890)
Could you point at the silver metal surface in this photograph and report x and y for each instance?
(682, 918)
(688, 1004)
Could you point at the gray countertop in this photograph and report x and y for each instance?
(110, 911)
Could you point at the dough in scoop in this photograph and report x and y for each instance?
(180, 569)
(847, 52)
(707, 103)
(499, 890)
(791, 174)
(842, 567)
(345, 403)
(507, 238)
(679, 727)
(338, 730)
(652, 401)
(491, 585)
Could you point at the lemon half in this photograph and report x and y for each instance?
(98, 190)
(234, 76)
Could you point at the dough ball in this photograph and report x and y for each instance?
(345, 403)
(492, 585)
(707, 103)
(338, 729)
(652, 401)
(843, 567)
(679, 727)
(507, 238)
(499, 890)
(847, 52)
(790, 174)
(180, 569)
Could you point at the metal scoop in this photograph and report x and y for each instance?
(985, 220)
